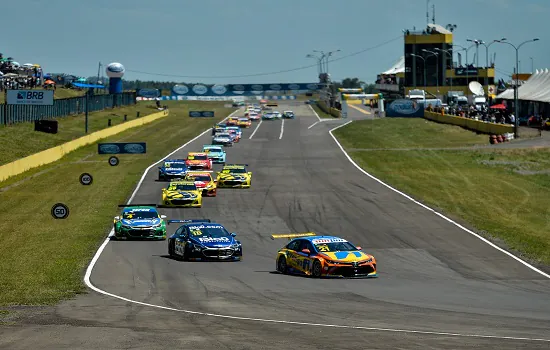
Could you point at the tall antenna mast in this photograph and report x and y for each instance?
(433, 13)
(427, 12)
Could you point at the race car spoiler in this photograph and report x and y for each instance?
(137, 205)
(293, 235)
(236, 165)
(199, 171)
(186, 221)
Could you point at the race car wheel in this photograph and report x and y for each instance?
(316, 269)
(281, 265)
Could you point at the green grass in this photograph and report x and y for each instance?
(59, 93)
(503, 193)
(42, 259)
(15, 138)
(320, 112)
(406, 133)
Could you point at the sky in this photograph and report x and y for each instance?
(239, 41)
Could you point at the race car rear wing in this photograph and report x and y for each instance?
(236, 165)
(293, 235)
(137, 205)
(186, 221)
(199, 171)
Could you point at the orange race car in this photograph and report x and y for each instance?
(323, 256)
(232, 121)
(204, 181)
(244, 122)
(198, 160)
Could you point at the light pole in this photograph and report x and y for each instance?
(467, 71)
(326, 56)
(487, 46)
(436, 55)
(423, 59)
(532, 65)
(516, 88)
(450, 55)
(319, 62)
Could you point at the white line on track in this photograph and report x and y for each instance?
(376, 329)
(257, 127)
(430, 209)
(312, 125)
(313, 110)
(282, 129)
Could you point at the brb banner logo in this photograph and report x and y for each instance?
(241, 89)
(30, 97)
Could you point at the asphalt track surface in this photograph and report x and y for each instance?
(439, 287)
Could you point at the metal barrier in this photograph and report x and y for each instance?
(12, 114)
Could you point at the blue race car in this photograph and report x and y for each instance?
(203, 240)
(237, 129)
(215, 152)
(172, 169)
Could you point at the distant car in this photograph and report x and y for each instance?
(254, 116)
(237, 130)
(139, 222)
(182, 194)
(323, 256)
(171, 169)
(268, 116)
(244, 123)
(223, 138)
(203, 240)
(204, 182)
(198, 160)
(234, 176)
(278, 114)
(215, 152)
(288, 115)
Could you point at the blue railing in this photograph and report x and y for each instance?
(12, 114)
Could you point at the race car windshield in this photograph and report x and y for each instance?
(335, 247)
(214, 150)
(200, 178)
(174, 164)
(235, 171)
(199, 157)
(183, 188)
(133, 215)
(222, 135)
(212, 232)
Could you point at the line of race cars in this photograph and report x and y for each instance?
(191, 179)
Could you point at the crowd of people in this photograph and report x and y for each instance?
(477, 112)
(15, 76)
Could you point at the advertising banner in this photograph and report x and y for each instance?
(122, 148)
(405, 109)
(459, 72)
(151, 93)
(239, 89)
(30, 97)
(201, 114)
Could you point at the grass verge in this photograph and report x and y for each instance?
(20, 140)
(321, 113)
(504, 193)
(41, 259)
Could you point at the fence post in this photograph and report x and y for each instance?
(86, 112)
(6, 106)
(125, 117)
(109, 123)
(137, 114)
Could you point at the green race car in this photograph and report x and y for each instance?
(140, 222)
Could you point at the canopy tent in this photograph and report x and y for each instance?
(536, 88)
(398, 67)
(90, 86)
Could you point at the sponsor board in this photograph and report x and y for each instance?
(151, 93)
(30, 97)
(201, 114)
(122, 148)
(239, 89)
(405, 108)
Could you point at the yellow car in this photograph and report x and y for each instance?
(182, 194)
(244, 122)
(204, 181)
(234, 176)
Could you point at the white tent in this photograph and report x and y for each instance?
(398, 67)
(536, 88)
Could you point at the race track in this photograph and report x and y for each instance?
(438, 286)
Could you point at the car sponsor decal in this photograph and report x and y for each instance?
(198, 227)
(327, 240)
(213, 239)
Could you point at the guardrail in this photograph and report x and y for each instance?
(471, 124)
(63, 107)
(332, 111)
(55, 153)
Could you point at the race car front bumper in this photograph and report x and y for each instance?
(226, 253)
(140, 233)
(182, 202)
(350, 270)
(209, 192)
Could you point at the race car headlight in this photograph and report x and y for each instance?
(235, 245)
(126, 226)
(197, 247)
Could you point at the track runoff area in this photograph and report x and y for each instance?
(436, 279)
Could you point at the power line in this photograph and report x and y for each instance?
(264, 74)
